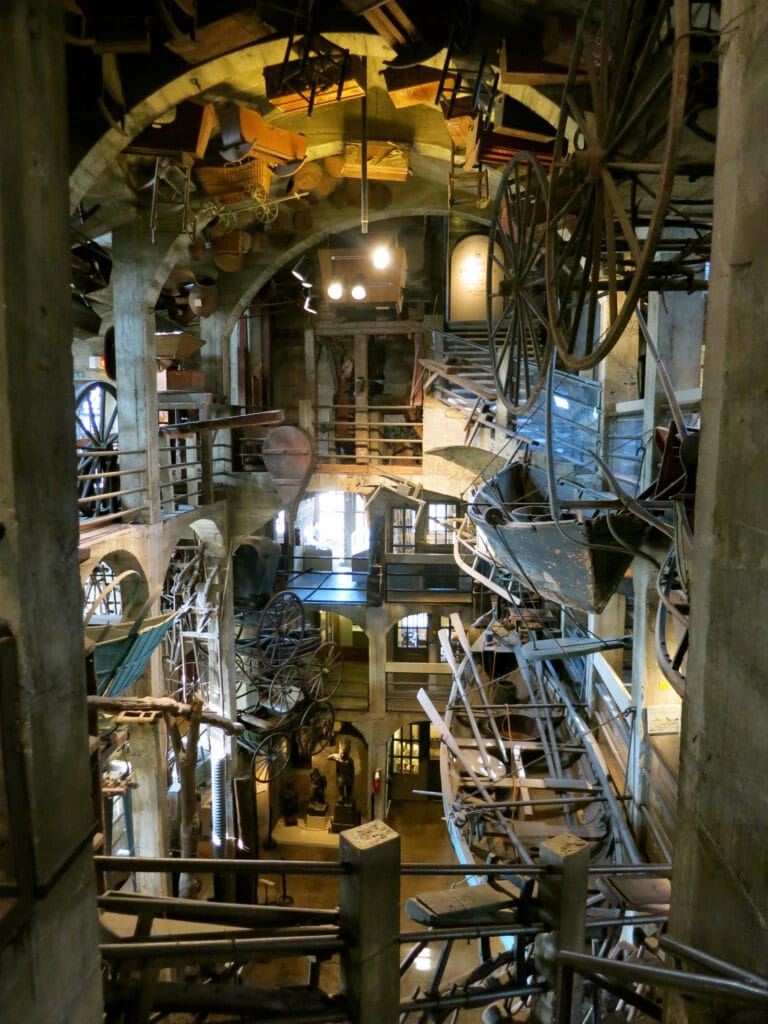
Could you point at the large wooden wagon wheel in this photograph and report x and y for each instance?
(285, 689)
(518, 333)
(325, 669)
(280, 629)
(251, 687)
(315, 730)
(626, 93)
(96, 437)
(270, 756)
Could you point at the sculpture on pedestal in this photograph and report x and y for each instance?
(317, 801)
(345, 772)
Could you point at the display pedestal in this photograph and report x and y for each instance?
(344, 816)
(317, 817)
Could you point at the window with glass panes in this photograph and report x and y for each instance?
(445, 623)
(403, 530)
(440, 520)
(405, 750)
(412, 631)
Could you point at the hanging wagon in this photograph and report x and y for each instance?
(577, 559)
(122, 651)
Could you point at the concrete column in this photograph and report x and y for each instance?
(676, 325)
(215, 356)
(649, 687)
(377, 619)
(722, 817)
(611, 622)
(361, 398)
(148, 747)
(133, 262)
(618, 372)
(563, 895)
(44, 976)
(369, 903)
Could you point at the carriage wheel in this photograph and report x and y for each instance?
(518, 333)
(271, 756)
(251, 688)
(326, 666)
(280, 629)
(316, 728)
(285, 689)
(629, 117)
(96, 436)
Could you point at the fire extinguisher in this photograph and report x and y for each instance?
(376, 780)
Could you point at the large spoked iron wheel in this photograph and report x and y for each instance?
(271, 756)
(626, 95)
(518, 334)
(326, 666)
(280, 629)
(285, 690)
(96, 439)
(315, 730)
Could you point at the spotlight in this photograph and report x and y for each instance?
(298, 270)
(308, 304)
(359, 287)
(335, 288)
(381, 256)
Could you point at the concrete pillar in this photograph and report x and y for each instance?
(649, 687)
(611, 622)
(44, 976)
(133, 262)
(618, 372)
(369, 907)
(563, 895)
(377, 656)
(361, 397)
(215, 356)
(148, 748)
(720, 884)
(676, 326)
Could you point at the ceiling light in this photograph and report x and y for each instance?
(359, 287)
(335, 288)
(298, 270)
(381, 256)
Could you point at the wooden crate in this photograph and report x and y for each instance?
(180, 380)
(387, 161)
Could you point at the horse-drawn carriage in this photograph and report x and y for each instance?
(285, 676)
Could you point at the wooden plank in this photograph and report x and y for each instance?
(387, 161)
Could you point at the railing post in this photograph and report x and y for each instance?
(205, 448)
(563, 895)
(370, 921)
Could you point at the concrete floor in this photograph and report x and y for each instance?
(424, 839)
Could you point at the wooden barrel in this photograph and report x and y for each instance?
(307, 177)
(333, 165)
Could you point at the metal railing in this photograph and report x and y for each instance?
(102, 494)
(371, 435)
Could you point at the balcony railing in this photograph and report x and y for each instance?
(372, 435)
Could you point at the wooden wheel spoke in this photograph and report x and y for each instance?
(636, 58)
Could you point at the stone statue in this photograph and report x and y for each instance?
(318, 782)
(345, 771)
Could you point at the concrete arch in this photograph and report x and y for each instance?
(205, 529)
(245, 64)
(134, 590)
